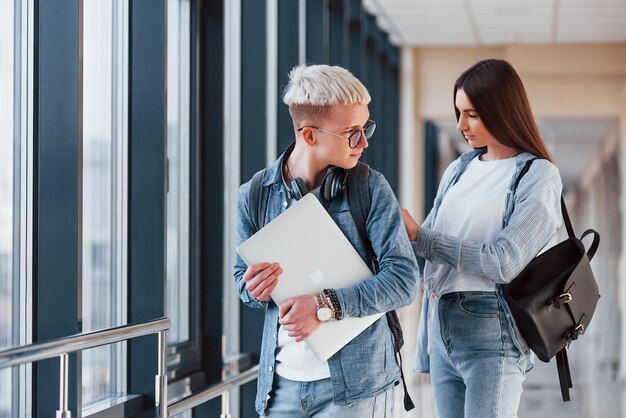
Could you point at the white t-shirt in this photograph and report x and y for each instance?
(295, 361)
(473, 209)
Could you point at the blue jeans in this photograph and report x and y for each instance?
(476, 369)
(289, 399)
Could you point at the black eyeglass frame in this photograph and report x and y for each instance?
(360, 132)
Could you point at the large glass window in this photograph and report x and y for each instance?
(15, 192)
(104, 191)
(179, 170)
(7, 202)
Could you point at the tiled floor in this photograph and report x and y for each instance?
(541, 397)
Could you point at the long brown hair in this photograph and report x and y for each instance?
(498, 96)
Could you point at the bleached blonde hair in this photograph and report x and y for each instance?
(314, 89)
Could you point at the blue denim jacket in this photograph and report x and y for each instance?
(532, 217)
(367, 365)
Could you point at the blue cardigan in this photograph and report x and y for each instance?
(532, 217)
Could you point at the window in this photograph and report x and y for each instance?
(7, 229)
(104, 192)
(15, 184)
(6, 196)
(179, 244)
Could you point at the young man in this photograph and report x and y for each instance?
(332, 126)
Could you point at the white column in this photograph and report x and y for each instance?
(621, 273)
(412, 198)
(411, 135)
(232, 166)
(271, 99)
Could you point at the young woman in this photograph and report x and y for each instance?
(478, 236)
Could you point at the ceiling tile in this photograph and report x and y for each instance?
(476, 22)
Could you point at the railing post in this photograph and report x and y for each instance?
(225, 405)
(63, 412)
(161, 378)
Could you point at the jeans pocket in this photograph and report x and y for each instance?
(480, 306)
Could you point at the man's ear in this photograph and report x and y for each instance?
(307, 135)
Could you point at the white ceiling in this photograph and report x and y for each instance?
(572, 142)
(498, 22)
(467, 23)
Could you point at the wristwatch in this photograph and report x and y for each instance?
(324, 312)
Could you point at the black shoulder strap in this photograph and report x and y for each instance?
(565, 378)
(257, 200)
(523, 172)
(360, 203)
(566, 219)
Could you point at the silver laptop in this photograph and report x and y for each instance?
(314, 255)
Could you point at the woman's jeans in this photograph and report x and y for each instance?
(476, 369)
(289, 399)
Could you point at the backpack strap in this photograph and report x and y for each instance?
(257, 200)
(565, 378)
(566, 218)
(523, 172)
(360, 202)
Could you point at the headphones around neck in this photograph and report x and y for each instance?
(332, 186)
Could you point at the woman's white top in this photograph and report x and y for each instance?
(473, 209)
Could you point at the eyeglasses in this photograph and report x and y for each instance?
(355, 137)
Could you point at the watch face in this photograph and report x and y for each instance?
(324, 314)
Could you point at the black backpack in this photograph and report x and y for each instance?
(555, 296)
(357, 185)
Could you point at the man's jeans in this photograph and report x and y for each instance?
(289, 399)
(476, 369)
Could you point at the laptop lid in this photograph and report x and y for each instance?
(314, 255)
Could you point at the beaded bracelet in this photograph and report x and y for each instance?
(334, 302)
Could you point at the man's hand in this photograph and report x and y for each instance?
(412, 227)
(261, 279)
(299, 317)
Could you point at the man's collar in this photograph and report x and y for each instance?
(274, 172)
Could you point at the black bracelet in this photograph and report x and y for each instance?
(334, 301)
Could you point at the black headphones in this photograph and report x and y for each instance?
(333, 184)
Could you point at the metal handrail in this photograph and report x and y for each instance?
(213, 392)
(54, 348)
(61, 347)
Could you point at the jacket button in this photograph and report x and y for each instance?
(274, 335)
(271, 368)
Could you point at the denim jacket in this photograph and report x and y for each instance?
(367, 365)
(531, 218)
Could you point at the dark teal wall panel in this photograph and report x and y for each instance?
(288, 15)
(146, 258)
(56, 209)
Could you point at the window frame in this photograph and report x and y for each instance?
(184, 359)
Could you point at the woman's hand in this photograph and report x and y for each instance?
(412, 227)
